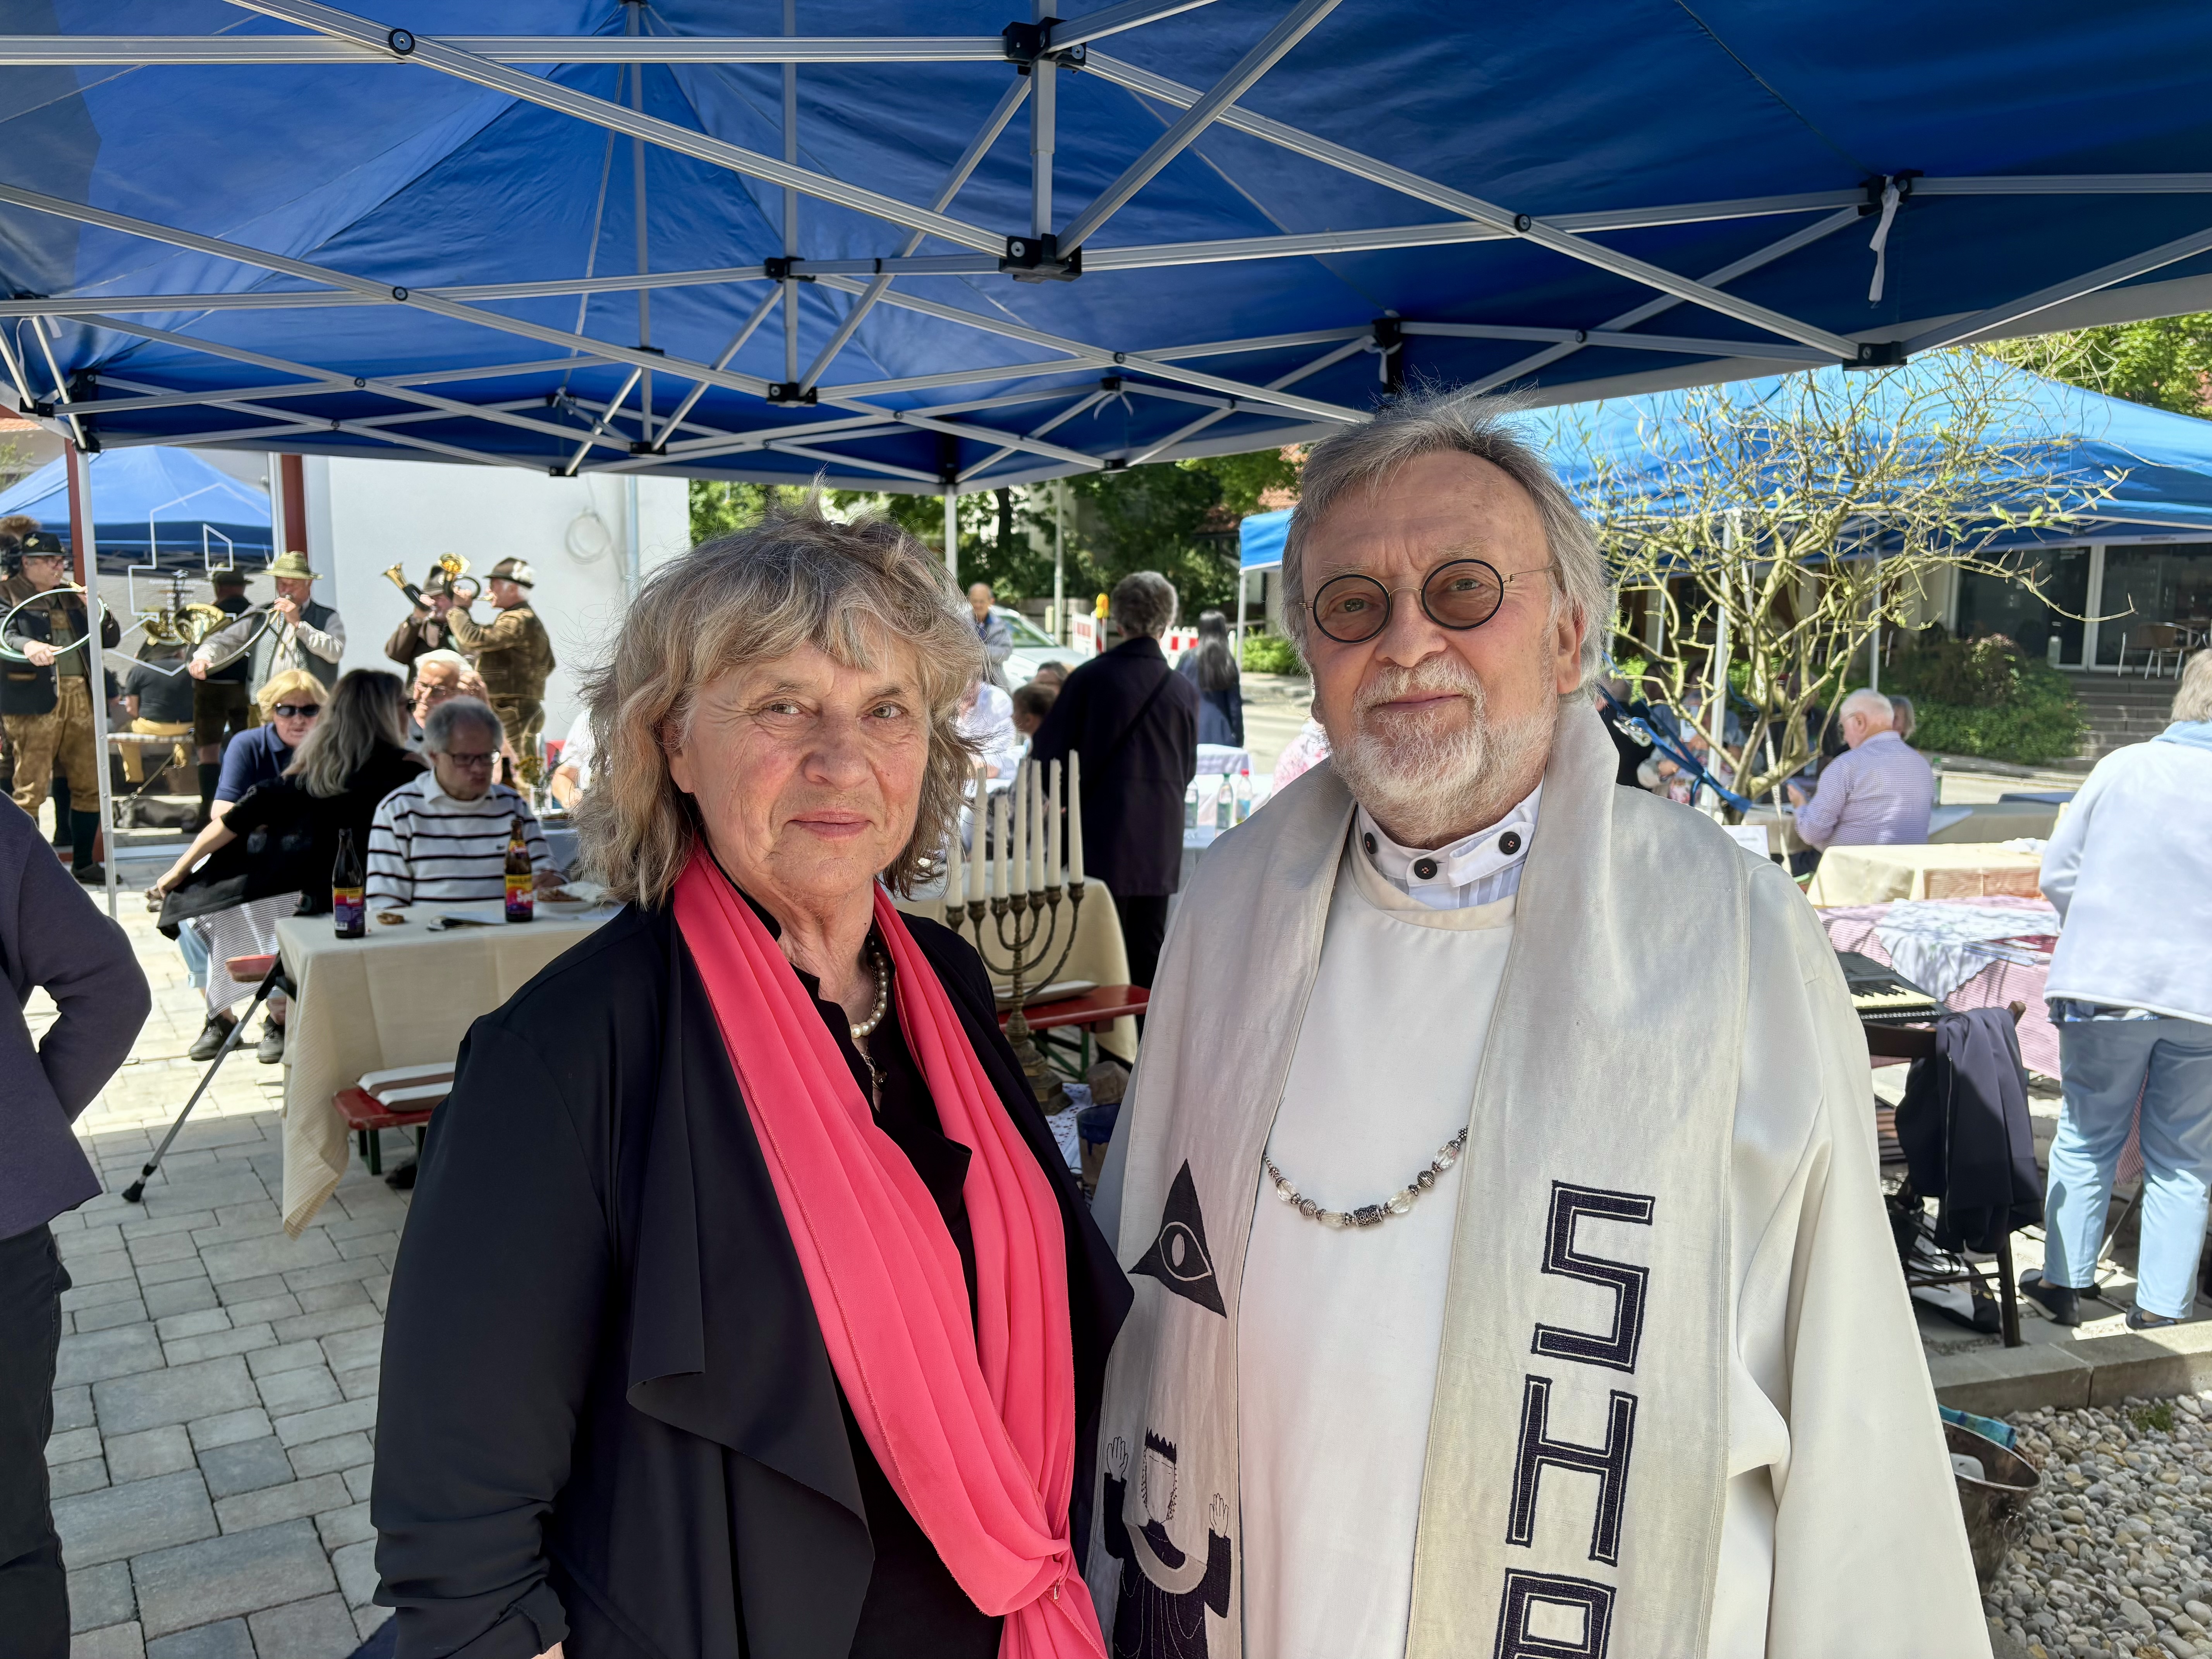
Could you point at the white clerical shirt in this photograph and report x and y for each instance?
(1338, 1332)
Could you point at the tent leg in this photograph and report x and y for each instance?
(952, 530)
(1059, 562)
(86, 548)
(1240, 616)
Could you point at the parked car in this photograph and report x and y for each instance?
(1033, 647)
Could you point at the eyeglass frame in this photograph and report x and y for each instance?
(1420, 590)
(459, 758)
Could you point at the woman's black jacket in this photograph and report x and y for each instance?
(606, 1412)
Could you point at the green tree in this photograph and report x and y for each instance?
(1178, 518)
(2166, 362)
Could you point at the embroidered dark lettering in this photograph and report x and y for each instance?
(1610, 1463)
(1529, 1594)
(1628, 1281)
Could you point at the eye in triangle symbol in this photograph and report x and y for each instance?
(1179, 1257)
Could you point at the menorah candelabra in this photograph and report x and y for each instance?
(1019, 893)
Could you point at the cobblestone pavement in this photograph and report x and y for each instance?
(217, 1389)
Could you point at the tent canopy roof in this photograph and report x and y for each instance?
(150, 498)
(2157, 465)
(276, 225)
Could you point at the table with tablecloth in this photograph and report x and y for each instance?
(1877, 875)
(1978, 953)
(403, 996)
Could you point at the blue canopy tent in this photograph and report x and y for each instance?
(664, 237)
(154, 505)
(2157, 465)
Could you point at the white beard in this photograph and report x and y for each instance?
(1427, 789)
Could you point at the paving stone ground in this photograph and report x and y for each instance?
(215, 1396)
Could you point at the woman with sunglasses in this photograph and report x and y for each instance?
(290, 703)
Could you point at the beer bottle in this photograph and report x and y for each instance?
(349, 899)
(521, 885)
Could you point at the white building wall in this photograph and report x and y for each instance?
(365, 515)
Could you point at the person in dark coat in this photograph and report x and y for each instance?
(50, 936)
(747, 1188)
(1211, 667)
(1134, 720)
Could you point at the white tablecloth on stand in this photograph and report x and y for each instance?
(403, 996)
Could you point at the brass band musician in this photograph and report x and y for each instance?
(512, 652)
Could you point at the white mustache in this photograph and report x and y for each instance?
(1433, 677)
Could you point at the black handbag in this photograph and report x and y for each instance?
(277, 855)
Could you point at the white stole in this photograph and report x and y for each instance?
(1577, 1443)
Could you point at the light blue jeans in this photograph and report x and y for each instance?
(196, 956)
(2106, 1063)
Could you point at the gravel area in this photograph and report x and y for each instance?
(2116, 1555)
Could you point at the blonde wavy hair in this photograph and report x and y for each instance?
(795, 579)
(287, 686)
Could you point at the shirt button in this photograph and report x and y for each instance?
(1509, 842)
(1368, 841)
(1425, 869)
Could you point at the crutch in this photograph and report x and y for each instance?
(273, 982)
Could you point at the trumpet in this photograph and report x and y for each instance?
(463, 587)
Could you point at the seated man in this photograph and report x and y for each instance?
(442, 838)
(1879, 793)
(987, 714)
(1031, 704)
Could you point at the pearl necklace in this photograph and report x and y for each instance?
(1368, 1215)
(864, 1029)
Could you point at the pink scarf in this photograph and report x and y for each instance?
(973, 1422)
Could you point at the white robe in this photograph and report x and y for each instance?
(1329, 1517)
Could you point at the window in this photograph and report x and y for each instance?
(2151, 588)
(2005, 604)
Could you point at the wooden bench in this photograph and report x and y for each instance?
(364, 1114)
(1092, 1012)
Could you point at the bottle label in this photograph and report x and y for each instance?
(349, 911)
(521, 898)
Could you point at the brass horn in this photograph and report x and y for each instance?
(456, 570)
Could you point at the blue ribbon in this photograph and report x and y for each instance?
(1665, 746)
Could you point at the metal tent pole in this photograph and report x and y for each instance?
(952, 530)
(85, 545)
(633, 15)
(1059, 562)
(1240, 614)
(791, 203)
(636, 571)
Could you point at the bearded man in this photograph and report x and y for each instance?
(1498, 1182)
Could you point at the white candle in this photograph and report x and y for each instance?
(1034, 792)
(1052, 825)
(1074, 816)
(954, 884)
(998, 834)
(979, 860)
(1021, 832)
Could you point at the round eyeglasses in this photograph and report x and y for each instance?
(1458, 594)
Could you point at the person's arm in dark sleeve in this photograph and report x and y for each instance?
(61, 941)
(496, 1303)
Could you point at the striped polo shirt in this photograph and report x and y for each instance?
(427, 847)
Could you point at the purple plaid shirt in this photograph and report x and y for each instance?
(1877, 794)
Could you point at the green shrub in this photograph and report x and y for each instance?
(1983, 698)
(1270, 653)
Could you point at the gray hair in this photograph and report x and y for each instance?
(1427, 423)
(1872, 704)
(1903, 717)
(797, 578)
(1144, 602)
(438, 729)
(2193, 702)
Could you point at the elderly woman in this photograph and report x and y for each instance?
(747, 1305)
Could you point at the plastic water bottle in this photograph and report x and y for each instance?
(1190, 806)
(1244, 792)
(1225, 806)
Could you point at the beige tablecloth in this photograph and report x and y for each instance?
(1877, 875)
(403, 996)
